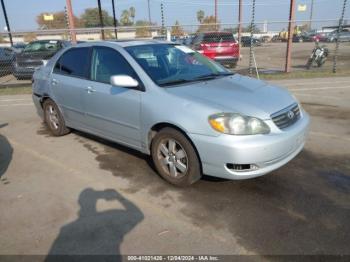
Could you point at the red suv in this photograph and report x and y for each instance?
(220, 46)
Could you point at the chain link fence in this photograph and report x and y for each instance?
(259, 50)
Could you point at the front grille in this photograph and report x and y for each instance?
(286, 117)
(30, 63)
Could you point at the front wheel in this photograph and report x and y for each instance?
(175, 157)
(54, 119)
(309, 63)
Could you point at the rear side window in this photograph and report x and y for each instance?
(107, 62)
(218, 37)
(75, 62)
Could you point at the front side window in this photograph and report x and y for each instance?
(107, 62)
(74, 62)
(169, 64)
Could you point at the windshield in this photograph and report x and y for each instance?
(42, 46)
(218, 37)
(170, 64)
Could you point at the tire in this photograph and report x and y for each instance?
(54, 119)
(321, 62)
(309, 63)
(175, 158)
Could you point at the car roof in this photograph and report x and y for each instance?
(125, 43)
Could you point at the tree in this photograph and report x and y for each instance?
(29, 37)
(177, 30)
(208, 24)
(142, 28)
(250, 28)
(132, 12)
(58, 20)
(200, 16)
(91, 18)
(125, 18)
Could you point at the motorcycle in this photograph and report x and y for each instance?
(318, 55)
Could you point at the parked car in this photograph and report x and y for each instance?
(344, 36)
(160, 37)
(19, 47)
(220, 46)
(7, 57)
(34, 55)
(265, 39)
(245, 40)
(303, 37)
(192, 115)
(321, 37)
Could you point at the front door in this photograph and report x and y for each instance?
(112, 111)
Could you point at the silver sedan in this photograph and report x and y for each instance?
(189, 113)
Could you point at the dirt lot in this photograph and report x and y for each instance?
(79, 194)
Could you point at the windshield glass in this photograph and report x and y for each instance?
(218, 37)
(170, 64)
(42, 46)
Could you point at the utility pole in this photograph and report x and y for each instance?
(114, 21)
(101, 19)
(311, 13)
(251, 49)
(7, 22)
(162, 16)
(71, 25)
(149, 14)
(216, 13)
(239, 27)
(290, 35)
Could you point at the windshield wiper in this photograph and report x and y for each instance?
(211, 76)
(199, 78)
(174, 82)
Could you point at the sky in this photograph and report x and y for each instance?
(22, 13)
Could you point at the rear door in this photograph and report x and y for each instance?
(69, 81)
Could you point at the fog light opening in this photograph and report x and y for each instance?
(241, 167)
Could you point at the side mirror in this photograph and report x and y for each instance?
(124, 81)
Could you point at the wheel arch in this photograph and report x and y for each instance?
(159, 126)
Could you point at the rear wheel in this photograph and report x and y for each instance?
(54, 119)
(175, 158)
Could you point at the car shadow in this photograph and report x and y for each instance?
(94, 232)
(6, 152)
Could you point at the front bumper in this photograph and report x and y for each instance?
(24, 72)
(264, 153)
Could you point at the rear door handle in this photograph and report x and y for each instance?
(89, 89)
(54, 81)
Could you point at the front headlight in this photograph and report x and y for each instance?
(236, 124)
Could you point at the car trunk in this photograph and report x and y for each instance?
(216, 49)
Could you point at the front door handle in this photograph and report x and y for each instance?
(54, 81)
(90, 90)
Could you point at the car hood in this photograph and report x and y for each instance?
(23, 56)
(238, 94)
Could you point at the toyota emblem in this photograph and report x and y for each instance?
(290, 114)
